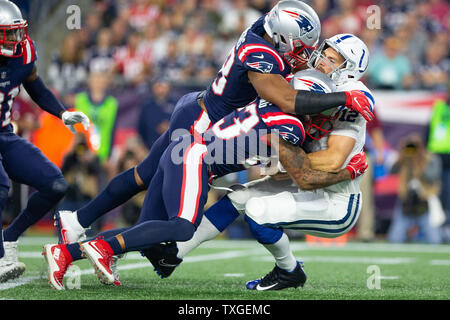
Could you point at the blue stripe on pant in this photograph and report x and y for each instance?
(328, 227)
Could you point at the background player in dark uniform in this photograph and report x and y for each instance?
(20, 160)
(273, 47)
(173, 207)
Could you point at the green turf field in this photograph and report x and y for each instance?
(219, 269)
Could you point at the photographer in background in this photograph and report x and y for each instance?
(133, 153)
(420, 179)
(80, 168)
(438, 136)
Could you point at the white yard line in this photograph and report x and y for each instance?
(295, 245)
(19, 282)
(440, 262)
(388, 277)
(340, 259)
(131, 266)
(349, 246)
(253, 248)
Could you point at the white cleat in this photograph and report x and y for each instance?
(69, 229)
(10, 267)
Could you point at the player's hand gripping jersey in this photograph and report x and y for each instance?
(231, 88)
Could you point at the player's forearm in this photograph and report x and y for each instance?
(295, 161)
(274, 88)
(307, 102)
(324, 161)
(43, 97)
(312, 179)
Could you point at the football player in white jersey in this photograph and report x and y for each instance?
(271, 206)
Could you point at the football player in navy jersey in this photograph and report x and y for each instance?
(273, 47)
(334, 138)
(173, 206)
(20, 160)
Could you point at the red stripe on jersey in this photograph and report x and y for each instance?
(33, 50)
(199, 191)
(275, 114)
(183, 186)
(28, 51)
(245, 50)
(280, 118)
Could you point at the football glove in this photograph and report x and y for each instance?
(356, 100)
(70, 118)
(357, 165)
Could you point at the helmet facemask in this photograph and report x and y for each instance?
(318, 126)
(300, 54)
(12, 39)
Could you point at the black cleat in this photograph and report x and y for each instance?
(163, 257)
(279, 279)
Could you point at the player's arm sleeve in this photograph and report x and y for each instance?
(42, 95)
(307, 102)
(274, 88)
(298, 166)
(261, 59)
(289, 127)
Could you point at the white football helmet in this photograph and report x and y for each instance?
(295, 30)
(13, 30)
(316, 126)
(352, 49)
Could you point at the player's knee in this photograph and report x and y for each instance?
(255, 207)
(56, 188)
(183, 229)
(264, 235)
(239, 196)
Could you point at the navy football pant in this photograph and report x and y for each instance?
(173, 205)
(124, 186)
(24, 163)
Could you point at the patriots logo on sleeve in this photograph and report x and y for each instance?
(264, 67)
(290, 137)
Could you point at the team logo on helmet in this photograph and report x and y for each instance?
(264, 67)
(303, 22)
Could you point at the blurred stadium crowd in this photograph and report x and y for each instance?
(132, 59)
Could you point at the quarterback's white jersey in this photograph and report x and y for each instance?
(326, 212)
(351, 124)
